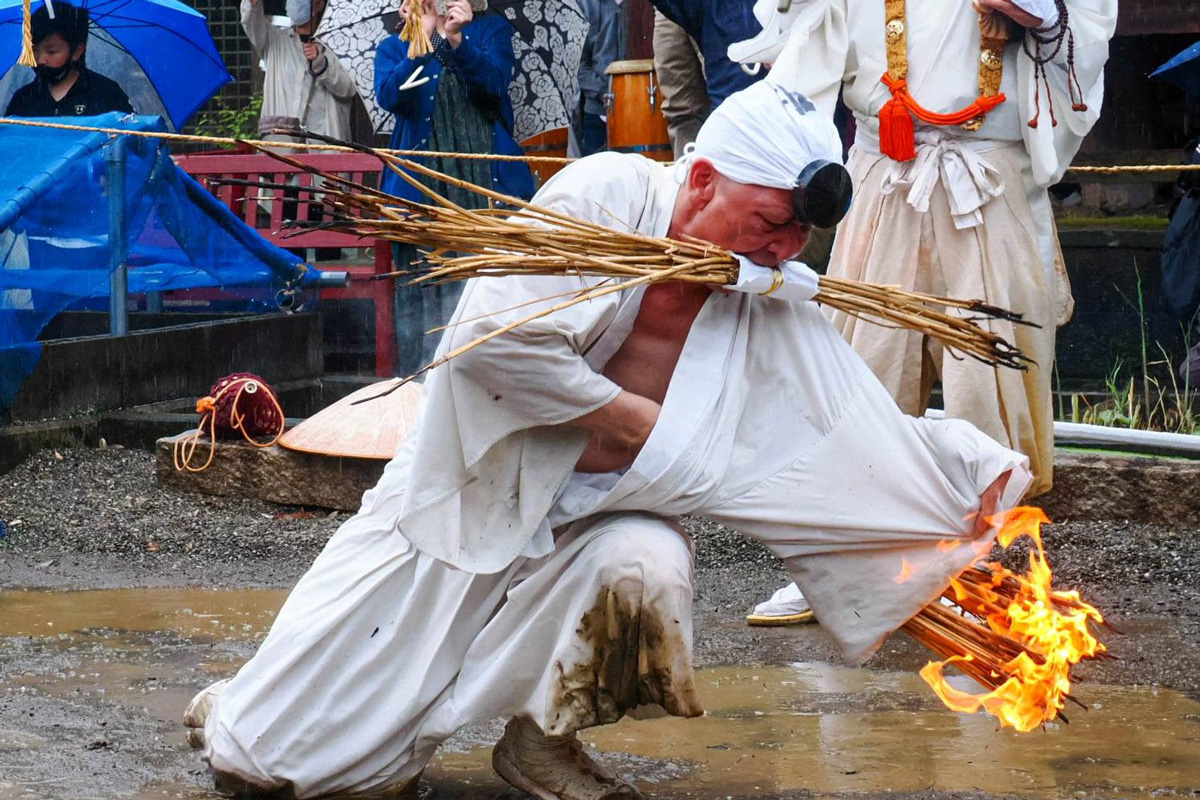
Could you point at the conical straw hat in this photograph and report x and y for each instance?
(372, 429)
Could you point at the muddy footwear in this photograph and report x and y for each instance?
(553, 767)
(196, 714)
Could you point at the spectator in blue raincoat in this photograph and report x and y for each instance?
(452, 100)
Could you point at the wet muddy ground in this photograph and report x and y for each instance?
(121, 599)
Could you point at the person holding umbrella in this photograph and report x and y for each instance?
(306, 88)
(453, 99)
(64, 87)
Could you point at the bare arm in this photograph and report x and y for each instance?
(619, 429)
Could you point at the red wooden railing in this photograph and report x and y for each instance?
(268, 211)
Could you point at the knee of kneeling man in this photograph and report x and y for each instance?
(646, 559)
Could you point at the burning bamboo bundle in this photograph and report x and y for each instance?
(1012, 633)
(513, 237)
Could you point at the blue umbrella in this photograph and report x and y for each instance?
(160, 51)
(1183, 70)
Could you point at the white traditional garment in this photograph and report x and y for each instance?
(835, 45)
(758, 398)
(423, 616)
(319, 103)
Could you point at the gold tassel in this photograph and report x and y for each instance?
(27, 58)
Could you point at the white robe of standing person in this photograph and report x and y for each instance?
(522, 556)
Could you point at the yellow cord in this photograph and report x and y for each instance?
(207, 406)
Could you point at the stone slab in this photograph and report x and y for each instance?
(271, 473)
(1112, 486)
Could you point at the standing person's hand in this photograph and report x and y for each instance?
(1010, 10)
(988, 504)
(458, 14)
(312, 50)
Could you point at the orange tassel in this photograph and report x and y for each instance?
(896, 131)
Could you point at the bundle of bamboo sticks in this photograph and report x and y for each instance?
(512, 237)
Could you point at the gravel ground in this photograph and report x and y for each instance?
(80, 519)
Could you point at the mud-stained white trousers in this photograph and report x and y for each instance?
(381, 653)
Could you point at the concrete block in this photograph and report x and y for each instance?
(95, 374)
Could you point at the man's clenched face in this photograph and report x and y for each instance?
(755, 221)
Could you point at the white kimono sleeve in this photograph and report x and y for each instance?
(1051, 147)
(490, 452)
(814, 57)
(872, 511)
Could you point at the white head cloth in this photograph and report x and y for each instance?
(765, 135)
(299, 11)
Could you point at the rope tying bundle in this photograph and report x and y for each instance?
(241, 403)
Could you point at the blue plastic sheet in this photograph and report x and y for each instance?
(55, 223)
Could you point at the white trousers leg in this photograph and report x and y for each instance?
(600, 628)
(381, 653)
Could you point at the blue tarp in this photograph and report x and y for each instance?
(54, 231)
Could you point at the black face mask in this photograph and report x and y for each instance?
(822, 194)
(52, 75)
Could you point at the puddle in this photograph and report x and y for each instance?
(769, 731)
(227, 614)
(826, 729)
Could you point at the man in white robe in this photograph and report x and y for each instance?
(522, 558)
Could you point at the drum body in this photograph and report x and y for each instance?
(635, 117)
(550, 143)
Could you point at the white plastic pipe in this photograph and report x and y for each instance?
(1100, 437)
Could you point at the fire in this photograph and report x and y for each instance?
(1034, 634)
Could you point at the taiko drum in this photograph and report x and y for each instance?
(635, 117)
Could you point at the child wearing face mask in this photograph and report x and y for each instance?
(63, 86)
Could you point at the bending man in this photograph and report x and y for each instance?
(522, 558)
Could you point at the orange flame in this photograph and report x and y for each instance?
(1052, 625)
(906, 571)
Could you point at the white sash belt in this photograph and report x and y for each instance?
(969, 179)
